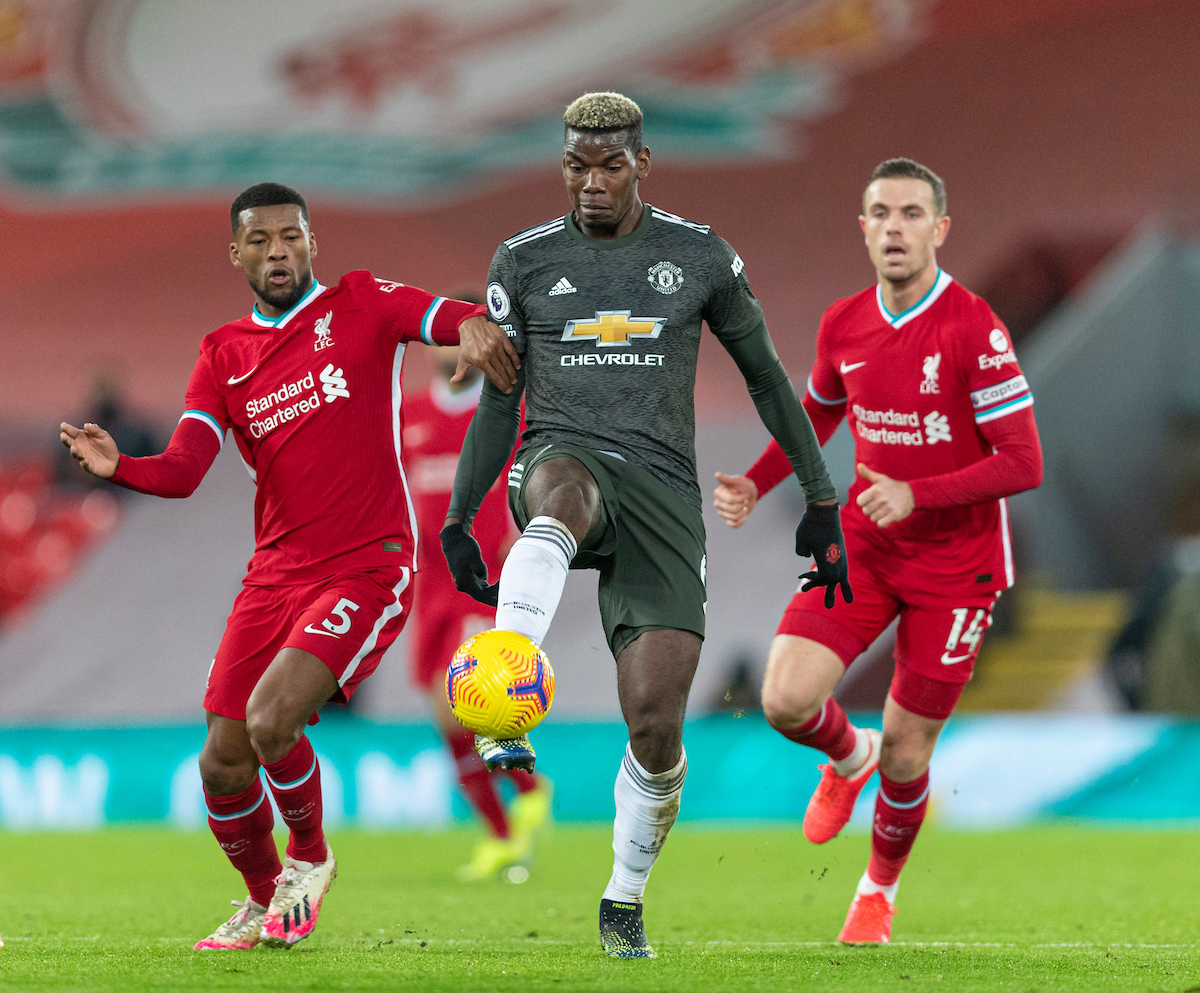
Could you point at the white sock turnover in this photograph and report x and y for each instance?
(854, 761)
(867, 886)
(532, 580)
(647, 805)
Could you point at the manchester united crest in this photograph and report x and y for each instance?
(666, 277)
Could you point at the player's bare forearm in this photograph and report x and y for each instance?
(92, 447)
(485, 346)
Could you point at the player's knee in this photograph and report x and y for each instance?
(656, 739)
(272, 734)
(903, 759)
(223, 775)
(789, 706)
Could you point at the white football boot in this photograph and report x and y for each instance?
(299, 890)
(240, 933)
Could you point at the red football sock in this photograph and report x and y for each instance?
(525, 782)
(242, 826)
(899, 811)
(477, 783)
(828, 731)
(295, 781)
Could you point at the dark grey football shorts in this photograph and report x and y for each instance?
(648, 545)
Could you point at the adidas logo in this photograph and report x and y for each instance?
(561, 287)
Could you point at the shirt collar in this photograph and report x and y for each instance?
(310, 295)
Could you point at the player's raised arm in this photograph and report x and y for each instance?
(417, 315)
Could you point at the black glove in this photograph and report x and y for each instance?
(819, 534)
(467, 565)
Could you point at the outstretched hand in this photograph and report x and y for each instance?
(820, 535)
(485, 346)
(886, 501)
(735, 498)
(92, 447)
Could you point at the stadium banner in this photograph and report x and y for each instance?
(403, 98)
(989, 771)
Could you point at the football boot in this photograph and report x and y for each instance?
(241, 932)
(621, 931)
(299, 891)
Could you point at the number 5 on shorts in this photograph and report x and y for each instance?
(343, 619)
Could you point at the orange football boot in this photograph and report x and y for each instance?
(832, 802)
(869, 920)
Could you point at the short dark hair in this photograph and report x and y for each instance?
(265, 195)
(902, 168)
(606, 113)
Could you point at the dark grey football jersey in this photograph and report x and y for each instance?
(609, 332)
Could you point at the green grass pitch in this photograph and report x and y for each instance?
(1043, 909)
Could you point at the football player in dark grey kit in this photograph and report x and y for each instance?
(605, 306)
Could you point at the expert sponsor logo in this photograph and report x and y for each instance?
(1000, 391)
(997, 361)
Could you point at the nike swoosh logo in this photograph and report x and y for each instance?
(234, 380)
(850, 368)
(948, 659)
(329, 634)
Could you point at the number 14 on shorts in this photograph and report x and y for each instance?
(964, 633)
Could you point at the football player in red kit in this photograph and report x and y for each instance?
(435, 424)
(309, 385)
(943, 427)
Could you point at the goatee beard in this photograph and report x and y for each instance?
(285, 300)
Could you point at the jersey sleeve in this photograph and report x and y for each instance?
(197, 439)
(826, 392)
(731, 306)
(413, 314)
(1015, 465)
(503, 297)
(994, 378)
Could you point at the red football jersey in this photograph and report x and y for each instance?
(313, 399)
(915, 387)
(435, 425)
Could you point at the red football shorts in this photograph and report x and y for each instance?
(936, 645)
(346, 621)
(444, 619)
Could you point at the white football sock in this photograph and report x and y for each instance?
(854, 761)
(867, 886)
(532, 580)
(647, 805)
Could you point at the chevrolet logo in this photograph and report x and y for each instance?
(614, 327)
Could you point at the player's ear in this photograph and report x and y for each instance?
(642, 162)
(233, 254)
(941, 229)
(312, 245)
